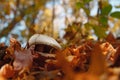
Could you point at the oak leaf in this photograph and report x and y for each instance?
(23, 59)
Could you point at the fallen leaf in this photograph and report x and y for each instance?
(23, 59)
(6, 71)
(110, 38)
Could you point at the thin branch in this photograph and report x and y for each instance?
(53, 16)
(17, 19)
(8, 29)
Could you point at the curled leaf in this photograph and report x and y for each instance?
(6, 71)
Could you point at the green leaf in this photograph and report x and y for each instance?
(117, 6)
(100, 31)
(115, 14)
(82, 3)
(87, 1)
(87, 11)
(88, 26)
(106, 10)
(103, 20)
(79, 5)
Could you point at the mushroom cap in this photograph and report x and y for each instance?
(44, 39)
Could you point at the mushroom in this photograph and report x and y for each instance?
(44, 49)
(44, 43)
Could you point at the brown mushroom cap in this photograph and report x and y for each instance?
(44, 39)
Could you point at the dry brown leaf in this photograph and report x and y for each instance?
(86, 76)
(23, 59)
(73, 63)
(6, 71)
(65, 65)
(108, 51)
(117, 58)
(14, 45)
(107, 48)
(110, 38)
(97, 65)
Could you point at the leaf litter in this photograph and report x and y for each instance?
(92, 60)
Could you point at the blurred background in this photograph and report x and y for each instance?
(68, 21)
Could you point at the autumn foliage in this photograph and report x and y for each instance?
(91, 60)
